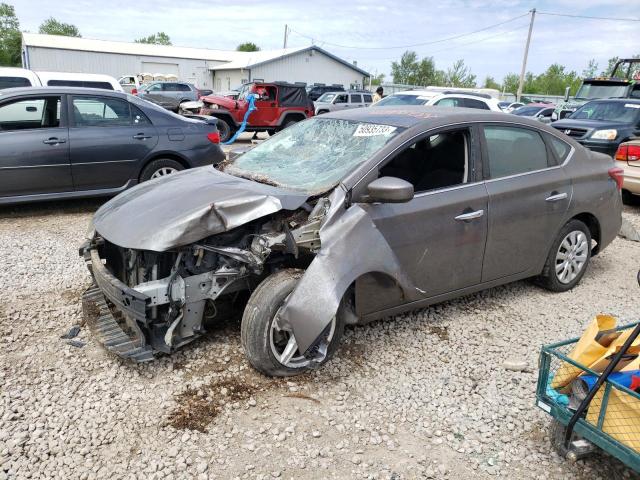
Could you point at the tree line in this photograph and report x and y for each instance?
(410, 70)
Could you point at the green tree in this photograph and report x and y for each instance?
(404, 70)
(490, 82)
(159, 38)
(411, 71)
(10, 38)
(51, 26)
(378, 79)
(591, 69)
(248, 47)
(510, 83)
(459, 75)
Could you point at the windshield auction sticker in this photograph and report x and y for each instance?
(373, 130)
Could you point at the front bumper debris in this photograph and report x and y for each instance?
(122, 337)
(119, 333)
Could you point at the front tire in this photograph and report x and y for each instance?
(269, 346)
(225, 130)
(160, 168)
(568, 258)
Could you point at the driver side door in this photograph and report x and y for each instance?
(439, 236)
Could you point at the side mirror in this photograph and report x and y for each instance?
(566, 94)
(389, 190)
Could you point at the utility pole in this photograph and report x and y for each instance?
(286, 34)
(526, 54)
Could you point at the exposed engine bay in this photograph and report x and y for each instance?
(174, 292)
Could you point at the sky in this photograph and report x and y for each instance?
(371, 33)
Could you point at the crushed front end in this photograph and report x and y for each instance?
(145, 302)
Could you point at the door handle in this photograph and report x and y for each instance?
(556, 197)
(141, 136)
(54, 141)
(469, 216)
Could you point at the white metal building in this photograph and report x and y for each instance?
(206, 68)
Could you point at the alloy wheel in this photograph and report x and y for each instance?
(284, 346)
(161, 172)
(571, 256)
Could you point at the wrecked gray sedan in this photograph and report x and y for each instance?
(345, 218)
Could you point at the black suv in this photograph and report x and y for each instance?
(314, 92)
(602, 125)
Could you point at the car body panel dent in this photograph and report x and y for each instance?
(217, 202)
(316, 299)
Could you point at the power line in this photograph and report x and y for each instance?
(412, 45)
(590, 17)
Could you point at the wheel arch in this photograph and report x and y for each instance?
(593, 224)
(292, 116)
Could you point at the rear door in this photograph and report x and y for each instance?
(529, 194)
(109, 137)
(34, 146)
(356, 100)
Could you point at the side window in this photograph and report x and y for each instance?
(13, 82)
(356, 98)
(513, 150)
(183, 88)
(100, 112)
(560, 148)
(29, 113)
(342, 98)
(473, 103)
(449, 102)
(156, 87)
(436, 161)
(367, 99)
(169, 87)
(138, 117)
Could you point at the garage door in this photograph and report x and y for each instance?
(158, 67)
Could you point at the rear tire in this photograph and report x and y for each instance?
(289, 122)
(629, 198)
(557, 432)
(568, 258)
(160, 168)
(265, 342)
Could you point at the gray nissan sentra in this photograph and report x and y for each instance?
(341, 219)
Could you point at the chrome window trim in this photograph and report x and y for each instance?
(474, 122)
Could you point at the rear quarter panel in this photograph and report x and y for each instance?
(595, 192)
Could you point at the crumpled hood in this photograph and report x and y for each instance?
(185, 207)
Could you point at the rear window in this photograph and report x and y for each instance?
(80, 83)
(560, 148)
(392, 100)
(513, 150)
(14, 82)
(356, 98)
(367, 99)
(471, 103)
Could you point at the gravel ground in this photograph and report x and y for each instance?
(421, 395)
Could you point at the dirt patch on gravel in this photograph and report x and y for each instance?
(441, 332)
(197, 408)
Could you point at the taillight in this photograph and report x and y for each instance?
(618, 176)
(628, 153)
(214, 137)
(134, 91)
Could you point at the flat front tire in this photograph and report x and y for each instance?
(568, 258)
(269, 345)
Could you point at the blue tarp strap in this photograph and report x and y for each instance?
(252, 106)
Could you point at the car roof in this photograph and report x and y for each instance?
(427, 116)
(10, 92)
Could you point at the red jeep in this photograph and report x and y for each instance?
(279, 105)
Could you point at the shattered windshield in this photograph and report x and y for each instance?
(314, 155)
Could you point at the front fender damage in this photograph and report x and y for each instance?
(351, 246)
